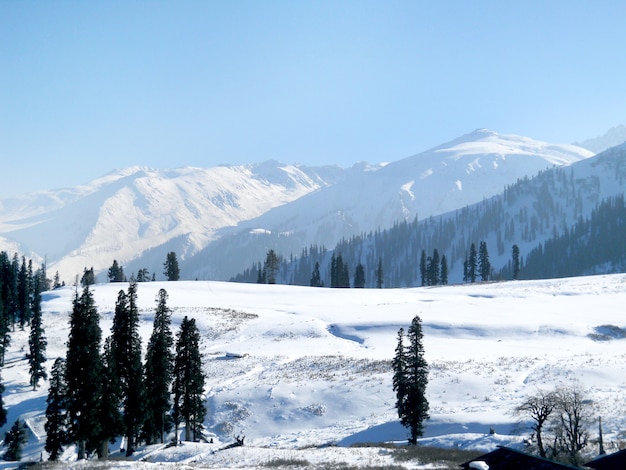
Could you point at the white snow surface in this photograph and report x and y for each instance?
(305, 372)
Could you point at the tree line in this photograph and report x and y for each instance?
(99, 392)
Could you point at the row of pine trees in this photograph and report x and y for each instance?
(99, 392)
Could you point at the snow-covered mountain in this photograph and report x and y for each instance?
(137, 215)
(125, 213)
(614, 136)
(464, 171)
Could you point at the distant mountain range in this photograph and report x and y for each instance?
(219, 220)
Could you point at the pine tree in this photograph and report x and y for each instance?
(188, 380)
(433, 269)
(516, 262)
(316, 280)
(170, 267)
(270, 267)
(126, 352)
(5, 304)
(484, 266)
(56, 411)
(89, 277)
(116, 272)
(83, 374)
(472, 264)
(359, 276)
(410, 377)
(158, 373)
(379, 274)
(14, 439)
(444, 270)
(109, 414)
(423, 268)
(37, 343)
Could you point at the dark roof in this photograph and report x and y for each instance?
(504, 458)
(609, 461)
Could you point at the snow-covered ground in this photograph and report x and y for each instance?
(303, 373)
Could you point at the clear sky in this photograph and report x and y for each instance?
(90, 86)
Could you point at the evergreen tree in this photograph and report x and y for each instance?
(158, 373)
(170, 267)
(6, 274)
(484, 266)
(270, 267)
(14, 439)
(188, 380)
(89, 277)
(433, 269)
(126, 353)
(359, 276)
(472, 264)
(24, 291)
(444, 270)
(334, 277)
(83, 374)
(423, 268)
(56, 411)
(37, 343)
(516, 263)
(410, 377)
(116, 272)
(316, 280)
(379, 274)
(109, 413)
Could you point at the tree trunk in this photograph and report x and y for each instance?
(104, 450)
(81, 450)
(130, 445)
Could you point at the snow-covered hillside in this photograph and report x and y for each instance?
(294, 368)
(126, 213)
(137, 215)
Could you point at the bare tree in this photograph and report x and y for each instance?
(572, 421)
(538, 408)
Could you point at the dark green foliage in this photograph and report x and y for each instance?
(410, 377)
(423, 268)
(143, 275)
(359, 276)
(56, 411)
(380, 279)
(484, 266)
(316, 280)
(24, 290)
(270, 267)
(116, 272)
(444, 270)
(89, 277)
(14, 439)
(83, 374)
(170, 267)
(339, 272)
(433, 269)
(515, 261)
(158, 373)
(472, 264)
(8, 302)
(188, 380)
(109, 412)
(37, 342)
(126, 355)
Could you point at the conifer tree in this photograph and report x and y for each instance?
(270, 267)
(444, 270)
(37, 342)
(484, 266)
(170, 267)
(126, 352)
(109, 413)
(516, 262)
(188, 381)
(316, 280)
(379, 274)
(158, 373)
(83, 374)
(423, 268)
(116, 272)
(6, 274)
(410, 377)
(56, 411)
(359, 276)
(472, 264)
(14, 439)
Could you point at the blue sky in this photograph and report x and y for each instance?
(88, 87)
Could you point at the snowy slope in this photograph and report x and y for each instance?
(315, 363)
(462, 172)
(127, 212)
